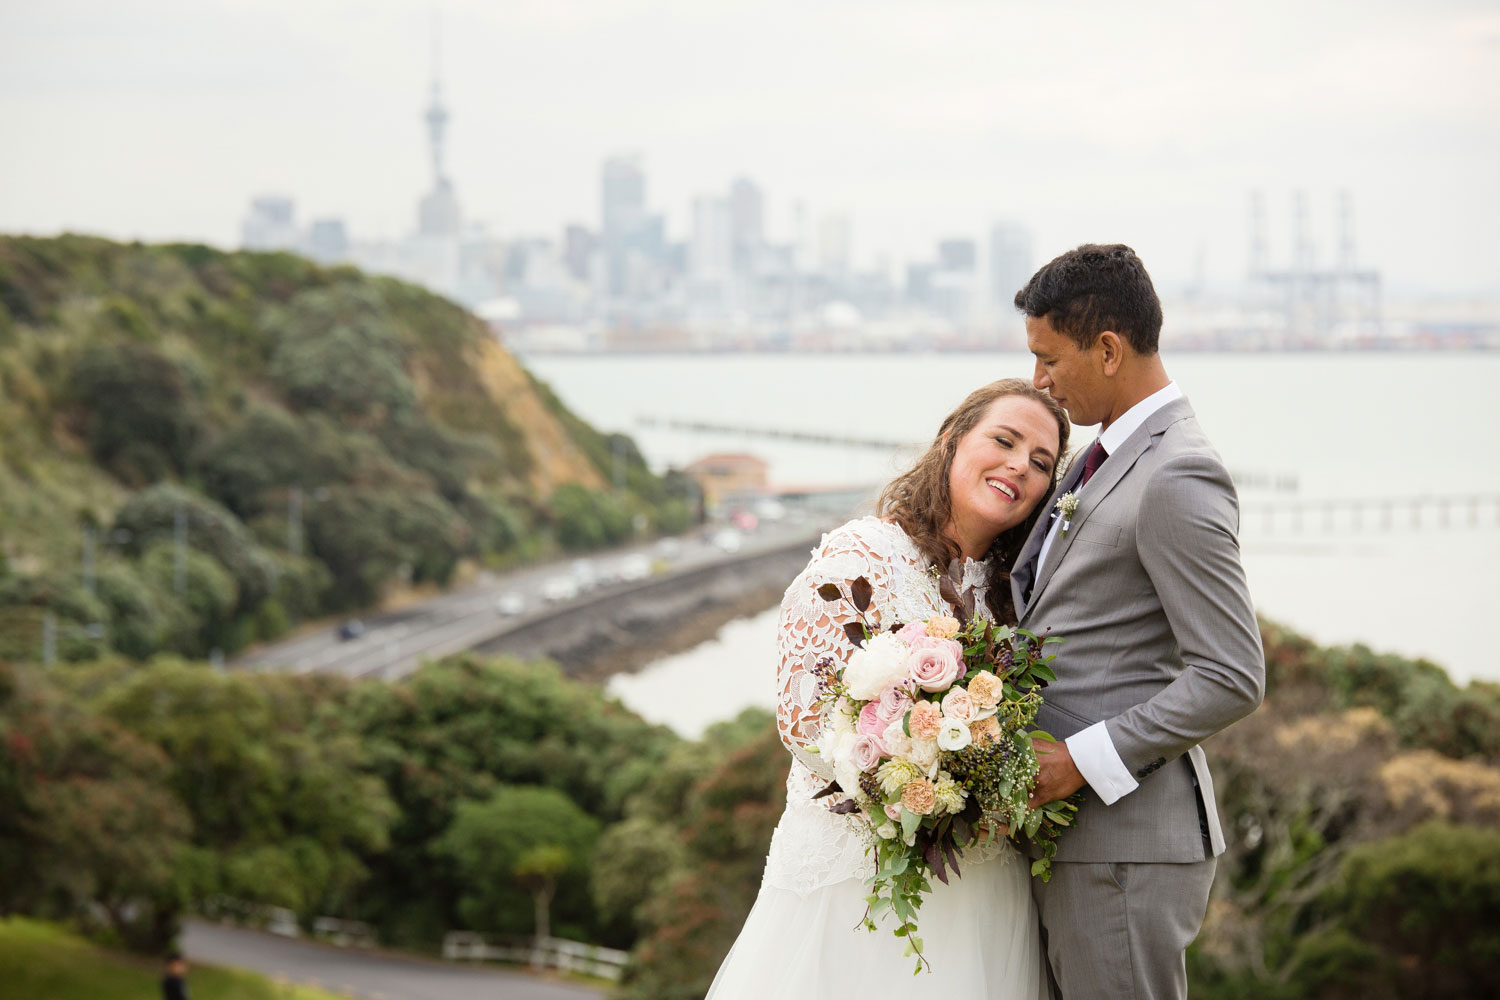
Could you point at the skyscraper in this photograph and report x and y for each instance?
(271, 224)
(1011, 263)
(746, 223)
(623, 213)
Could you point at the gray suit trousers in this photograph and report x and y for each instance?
(1120, 930)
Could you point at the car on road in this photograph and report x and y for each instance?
(511, 604)
(560, 588)
(726, 540)
(636, 566)
(351, 628)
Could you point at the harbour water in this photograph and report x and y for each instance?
(1297, 429)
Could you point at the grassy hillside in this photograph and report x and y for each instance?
(314, 435)
(40, 961)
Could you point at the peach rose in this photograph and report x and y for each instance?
(986, 689)
(958, 705)
(919, 796)
(926, 721)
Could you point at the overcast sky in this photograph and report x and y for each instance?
(1086, 120)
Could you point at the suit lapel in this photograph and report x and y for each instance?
(1110, 474)
(1026, 566)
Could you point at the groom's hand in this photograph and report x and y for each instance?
(1058, 777)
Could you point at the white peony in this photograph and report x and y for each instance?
(886, 830)
(881, 663)
(954, 735)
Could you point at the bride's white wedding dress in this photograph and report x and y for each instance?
(804, 936)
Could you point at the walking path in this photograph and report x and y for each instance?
(365, 975)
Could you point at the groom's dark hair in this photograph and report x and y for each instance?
(1098, 287)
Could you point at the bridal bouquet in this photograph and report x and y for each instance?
(928, 730)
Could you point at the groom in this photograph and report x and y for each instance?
(1144, 582)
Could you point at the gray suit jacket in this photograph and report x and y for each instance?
(1161, 642)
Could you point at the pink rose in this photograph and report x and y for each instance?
(911, 633)
(953, 646)
(935, 668)
(957, 705)
(893, 812)
(866, 752)
(894, 701)
(871, 722)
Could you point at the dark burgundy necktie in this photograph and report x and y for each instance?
(1096, 458)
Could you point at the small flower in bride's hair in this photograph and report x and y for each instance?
(1066, 506)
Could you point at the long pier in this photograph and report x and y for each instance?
(1351, 515)
(1274, 482)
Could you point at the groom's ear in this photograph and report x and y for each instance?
(1111, 348)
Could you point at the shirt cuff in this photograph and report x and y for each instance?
(1096, 758)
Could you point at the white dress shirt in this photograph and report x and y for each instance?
(1093, 751)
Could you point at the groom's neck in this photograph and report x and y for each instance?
(1142, 376)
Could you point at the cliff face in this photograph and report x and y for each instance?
(341, 431)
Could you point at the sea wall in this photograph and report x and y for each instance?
(626, 627)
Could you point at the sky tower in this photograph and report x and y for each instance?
(438, 214)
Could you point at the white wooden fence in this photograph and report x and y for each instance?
(552, 953)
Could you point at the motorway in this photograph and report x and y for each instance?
(395, 643)
(366, 975)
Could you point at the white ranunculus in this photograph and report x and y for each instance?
(887, 830)
(881, 663)
(954, 735)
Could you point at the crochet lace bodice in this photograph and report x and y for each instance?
(813, 847)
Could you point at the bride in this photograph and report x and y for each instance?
(973, 496)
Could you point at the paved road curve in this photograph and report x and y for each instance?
(370, 977)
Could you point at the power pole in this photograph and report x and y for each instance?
(294, 521)
(89, 538)
(49, 639)
(179, 551)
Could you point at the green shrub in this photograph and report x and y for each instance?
(587, 519)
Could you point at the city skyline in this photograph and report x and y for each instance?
(160, 119)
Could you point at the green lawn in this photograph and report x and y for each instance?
(41, 961)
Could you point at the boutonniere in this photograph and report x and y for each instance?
(1066, 507)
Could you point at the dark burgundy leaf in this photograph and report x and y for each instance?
(953, 854)
(962, 831)
(846, 806)
(949, 591)
(860, 593)
(856, 633)
(833, 786)
(830, 592)
(933, 855)
(969, 605)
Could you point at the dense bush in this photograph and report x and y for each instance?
(588, 519)
(456, 731)
(141, 411)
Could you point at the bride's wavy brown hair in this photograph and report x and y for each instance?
(921, 502)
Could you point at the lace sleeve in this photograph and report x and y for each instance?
(811, 629)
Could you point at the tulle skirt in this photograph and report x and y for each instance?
(979, 933)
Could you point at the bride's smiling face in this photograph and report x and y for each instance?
(1002, 468)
